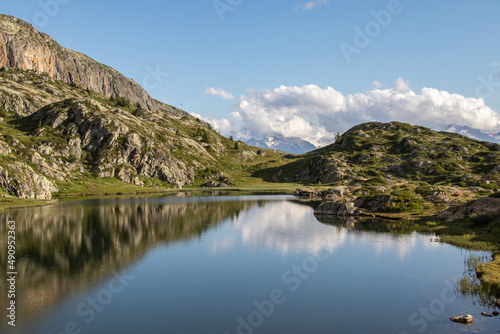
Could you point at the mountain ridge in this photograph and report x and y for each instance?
(23, 47)
(293, 145)
(474, 133)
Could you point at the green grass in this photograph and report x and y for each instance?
(7, 203)
(101, 186)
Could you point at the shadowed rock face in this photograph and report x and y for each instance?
(486, 205)
(23, 47)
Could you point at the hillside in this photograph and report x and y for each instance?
(398, 167)
(75, 135)
(69, 124)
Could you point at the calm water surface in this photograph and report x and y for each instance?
(247, 264)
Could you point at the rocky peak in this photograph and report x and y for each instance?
(23, 47)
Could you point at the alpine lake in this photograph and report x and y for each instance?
(231, 263)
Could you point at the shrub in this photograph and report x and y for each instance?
(120, 101)
(483, 219)
(424, 190)
(373, 172)
(376, 181)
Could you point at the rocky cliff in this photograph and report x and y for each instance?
(23, 47)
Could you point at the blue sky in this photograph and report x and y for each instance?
(262, 45)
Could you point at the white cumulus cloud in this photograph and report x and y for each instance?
(220, 93)
(316, 114)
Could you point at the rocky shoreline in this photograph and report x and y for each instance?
(344, 201)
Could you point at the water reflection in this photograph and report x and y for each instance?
(62, 250)
(283, 226)
(384, 236)
(470, 287)
(67, 249)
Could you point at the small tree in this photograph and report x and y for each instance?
(236, 145)
(400, 136)
(205, 137)
(338, 137)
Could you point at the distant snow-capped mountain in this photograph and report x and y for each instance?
(474, 133)
(293, 145)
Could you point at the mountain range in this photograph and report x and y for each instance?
(474, 133)
(293, 145)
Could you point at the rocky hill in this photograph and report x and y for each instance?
(52, 132)
(399, 150)
(398, 167)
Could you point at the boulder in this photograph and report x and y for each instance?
(485, 205)
(463, 319)
(486, 314)
(340, 207)
(214, 184)
(261, 153)
(339, 191)
(4, 148)
(310, 192)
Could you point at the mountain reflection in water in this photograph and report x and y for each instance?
(65, 249)
(68, 249)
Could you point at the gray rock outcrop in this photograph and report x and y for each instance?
(485, 205)
(25, 183)
(332, 206)
(23, 47)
